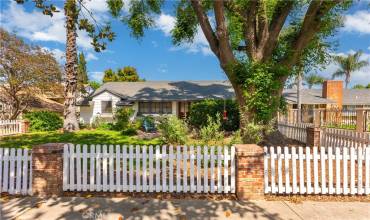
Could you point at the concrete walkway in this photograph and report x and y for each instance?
(123, 208)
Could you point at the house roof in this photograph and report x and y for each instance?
(168, 90)
(313, 96)
(198, 90)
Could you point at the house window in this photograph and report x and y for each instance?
(106, 107)
(155, 107)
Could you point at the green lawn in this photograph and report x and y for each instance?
(79, 137)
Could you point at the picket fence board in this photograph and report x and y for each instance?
(15, 171)
(313, 163)
(106, 168)
(296, 131)
(9, 127)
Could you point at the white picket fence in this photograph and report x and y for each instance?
(149, 169)
(331, 171)
(15, 171)
(344, 138)
(8, 127)
(295, 131)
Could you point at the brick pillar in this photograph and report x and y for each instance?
(25, 126)
(360, 120)
(313, 137)
(47, 170)
(317, 117)
(249, 171)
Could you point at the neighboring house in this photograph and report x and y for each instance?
(333, 95)
(175, 97)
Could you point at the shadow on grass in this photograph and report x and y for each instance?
(79, 137)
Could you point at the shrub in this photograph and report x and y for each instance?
(44, 121)
(105, 126)
(173, 130)
(211, 132)
(236, 138)
(100, 123)
(199, 111)
(122, 118)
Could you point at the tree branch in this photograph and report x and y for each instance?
(249, 17)
(280, 15)
(206, 26)
(226, 53)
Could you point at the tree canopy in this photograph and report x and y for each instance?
(313, 79)
(125, 74)
(25, 70)
(348, 65)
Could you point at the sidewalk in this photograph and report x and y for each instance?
(123, 208)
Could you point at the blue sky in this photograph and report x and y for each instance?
(154, 56)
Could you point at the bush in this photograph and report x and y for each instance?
(236, 138)
(100, 124)
(44, 121)
(173, 130)
(211, 133)
(122, 118)
(201, 110)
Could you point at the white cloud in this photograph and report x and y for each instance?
(91, 56)
(166, 23)
(96, 76)
(58, 54)
(163, 68)
(38, 27)
(358, 22)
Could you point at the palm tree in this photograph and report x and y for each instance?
(314, 79)
(349, 64)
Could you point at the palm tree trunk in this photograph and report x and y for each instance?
(70, 88)
(347, 79)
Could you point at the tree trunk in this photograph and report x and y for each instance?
(299, 99)
(70, 88)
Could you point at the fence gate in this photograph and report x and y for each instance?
(149, 169)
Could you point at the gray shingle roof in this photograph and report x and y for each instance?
(169, 90)
(197, 90)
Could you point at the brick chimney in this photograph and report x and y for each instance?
(333, 90)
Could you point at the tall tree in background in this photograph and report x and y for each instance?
(24, 72)
(258, 44)
(125, 74)
(99, 35)
(82, 73)
(314, 79)
(348, 65)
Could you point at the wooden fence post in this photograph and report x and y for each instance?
(47, 170)
(249, 171)
(25, 125)
(313, 136)
(360, 120)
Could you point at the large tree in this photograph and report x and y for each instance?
(258, 43)
(77, 15)
(348, 65)
(24, 71)
(125, 74)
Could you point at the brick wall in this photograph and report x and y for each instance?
(333, 90)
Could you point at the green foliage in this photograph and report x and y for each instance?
(100, 123)
(368, 86)
(358, 86)
(314, 79)
(147, 122)
(105, 126)
(94, 84)
(173, 130)
(44, 121)
(236, 138)
(125, 74)
(199, 111)
(82, 77)
(260, 82)
(122, 118)
(211, 132)
(186, 23)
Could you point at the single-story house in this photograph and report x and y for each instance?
(175, 97)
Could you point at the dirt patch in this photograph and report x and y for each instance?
(278, 139)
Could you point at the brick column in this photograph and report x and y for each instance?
(47, 170)
(249, 171)
(25, 126)
(360, 120)
(313, 137)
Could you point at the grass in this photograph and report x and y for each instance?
(80, 137)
